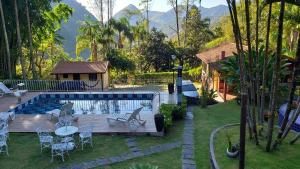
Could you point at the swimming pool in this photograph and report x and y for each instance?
(88, 103)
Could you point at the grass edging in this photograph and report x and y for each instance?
(211, 144)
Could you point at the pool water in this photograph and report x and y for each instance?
(42, 105)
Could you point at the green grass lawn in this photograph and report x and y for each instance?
(24, 151)
(287, 157)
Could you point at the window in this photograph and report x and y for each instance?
(65, 76)
(93, 77)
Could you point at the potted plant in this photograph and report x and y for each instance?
(171, 88)
(232, 150)
(159, 122)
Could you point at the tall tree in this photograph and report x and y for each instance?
(239, 45)
(31, 56)
(264, 80)
(19, 40)
(251, 72)
(275, 80)
(174, 4)
(6, 41)
(146, 6)
(187, 3)
(284, 129)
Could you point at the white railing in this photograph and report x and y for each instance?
(54, 85)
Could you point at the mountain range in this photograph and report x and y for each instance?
(164, 21)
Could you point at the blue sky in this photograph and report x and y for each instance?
(156, 5)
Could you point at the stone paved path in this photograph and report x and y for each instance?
(188, 150)
(124, 157)
(132, 145)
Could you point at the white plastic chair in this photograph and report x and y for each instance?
(4, 129)
(86, 136)
(58, 113)
(45, 138)
(61, 148)
(3, 145)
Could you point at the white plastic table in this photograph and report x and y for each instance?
(66, 131)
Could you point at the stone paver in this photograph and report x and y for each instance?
(132, 145)
(188, 151)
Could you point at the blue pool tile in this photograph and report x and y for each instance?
(62, 96)
(110, 96)
(129, 96)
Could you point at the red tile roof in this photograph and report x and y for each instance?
(214, 54)
(66, 67)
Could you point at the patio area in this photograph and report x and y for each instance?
(30, 122)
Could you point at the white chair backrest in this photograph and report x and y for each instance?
(66, 108)
(4, 88)
(3, 139)
(135, 113)
(87, 129)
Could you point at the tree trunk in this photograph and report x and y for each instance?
(6, 42)
(251, 83)
(257, 62)
(292, 121)
(147, 11)
(264, 80)
(31, 56)
(185, 24)
(101, 13)
(295, 73)
(275, 80)
(239, 46)
(19, 40)
(108, 10)
(94, 51)
(177, 22)
(295, 139)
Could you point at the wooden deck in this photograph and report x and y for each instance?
(29, 123)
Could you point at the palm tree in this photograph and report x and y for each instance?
(121, 26)
(275, 80)
(19, 40)
(88, 33)
(31, 56)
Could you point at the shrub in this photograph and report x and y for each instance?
(178, 112)
(166, 110)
